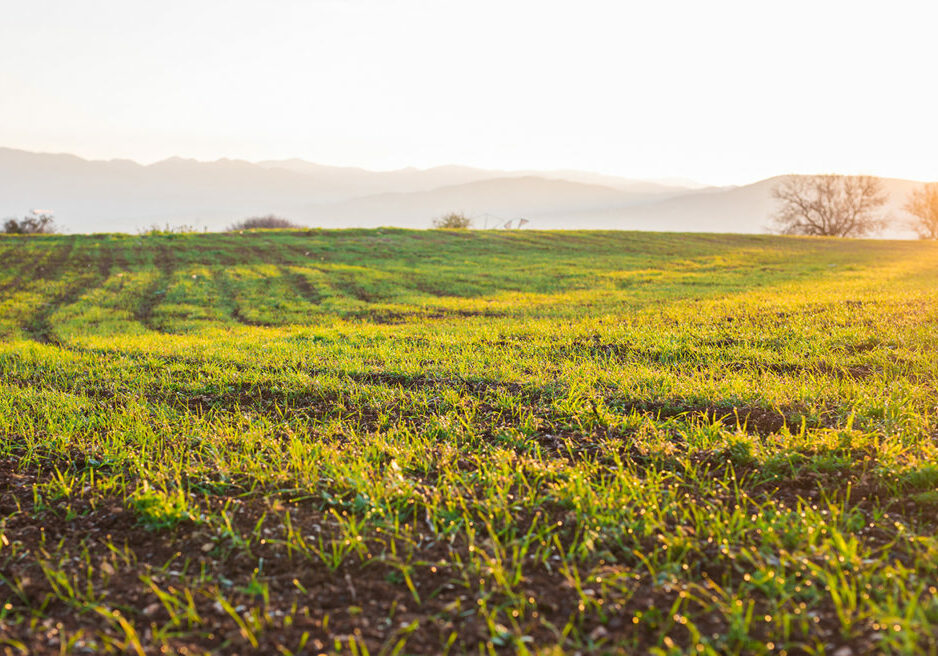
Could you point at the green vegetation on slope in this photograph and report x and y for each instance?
(418, 442)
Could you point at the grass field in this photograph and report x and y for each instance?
(388, 441)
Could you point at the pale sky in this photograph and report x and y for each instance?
(721, 92)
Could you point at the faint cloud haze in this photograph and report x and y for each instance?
(722, 92)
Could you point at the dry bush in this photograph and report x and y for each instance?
(268, 222)
(453, 221)
(42, 224)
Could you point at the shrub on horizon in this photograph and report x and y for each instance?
(453, 221)
(268, 222)
(42, 224)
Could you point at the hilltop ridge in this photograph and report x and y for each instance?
(121, 195)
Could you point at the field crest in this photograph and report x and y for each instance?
(363, 441)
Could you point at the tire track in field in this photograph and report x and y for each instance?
(38, 326)
(43, 268)
(251, 254)
(164, 261)
(229, 299)
(280, 254)
(274, 254)
(105, 261)
(348, 286)
(17, 264)
(120, 261)
(51, 266)
(301, 285)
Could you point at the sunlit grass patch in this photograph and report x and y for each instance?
(367, 441)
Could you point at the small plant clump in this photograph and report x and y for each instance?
(168, 229)
(268, 222)
(453, 221)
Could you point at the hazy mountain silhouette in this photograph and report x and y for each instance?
(744, 209)
(412, 179)
(490, 202)
(352, 181)
(121, 195)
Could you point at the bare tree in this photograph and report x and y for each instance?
(829, 205)
(923, 205)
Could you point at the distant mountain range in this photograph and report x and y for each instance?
(124, 196)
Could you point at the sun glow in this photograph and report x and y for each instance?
(724, 92)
